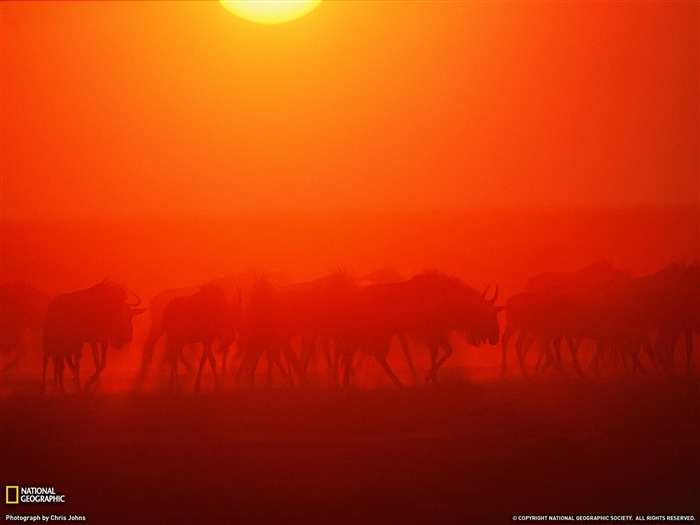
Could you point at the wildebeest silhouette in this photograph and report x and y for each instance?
(99, 315)
(431, 305)
(541, 313)
(310, 311)
(682, 313)
(591, 277)
(22, 310)
(264, 332)
(389, 276)
(622, 318)
(203, 317)
(233, 286)
(536, 316)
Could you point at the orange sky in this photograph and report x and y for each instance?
(129, 108)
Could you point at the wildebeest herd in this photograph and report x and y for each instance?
(632, 324)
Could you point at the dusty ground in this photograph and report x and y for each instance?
(460, 453)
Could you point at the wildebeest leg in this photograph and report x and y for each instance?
(625, 362)
(646, 345)
(183, 359)
(58, 372)
(224, 356)
(293, 364)
(520, 351)
(96, 357)
(186, 362)
(348, 370)
(634, 353)
(573, 350)
(543, 353)
(344, 355)
(275, 360)
(270, 366)
(55, 384)
(551, 349)
(509, 331)
(594, 366)
(223, 350)
(207, 355)
(335, 367)
(251, 369)
(173, 357)
(75, 368)
(556, 345)
(45, 363)
(688, 350)
(433, 347)
(212, 364)
(248, 365)
(104, 357)
(380, 352)
(388, 370)
(242, 368)
(175, 375)
(326, 349)
(620, 358)
(633, 350)
(403, 341)
(448, 352)
(155, 332)
(99, 356)
(147, 358)
(307, 355)
(202, 361)
(665, 345)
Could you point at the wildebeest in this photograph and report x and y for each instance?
(594, 276)
(22, 309)
(431, 305)
(309, 311)
(536, 316)
(203, 317)
(233, 285)
(541, 313)
(263, 332)
(682, 313)
(624, 316)
(389, 276)
(99, 315)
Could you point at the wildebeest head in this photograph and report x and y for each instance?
(454, 305)
(484, 325)
(100, 314)
(122, 326)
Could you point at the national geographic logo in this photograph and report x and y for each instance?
(15, 494)
(11, 494)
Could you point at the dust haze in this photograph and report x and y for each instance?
(287, 274)
(479, 447)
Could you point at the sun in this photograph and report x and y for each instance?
(270, 11)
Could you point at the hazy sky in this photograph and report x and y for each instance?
(123, 108)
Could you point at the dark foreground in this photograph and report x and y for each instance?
(478, 453)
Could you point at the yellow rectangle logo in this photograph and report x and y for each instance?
(11, 494)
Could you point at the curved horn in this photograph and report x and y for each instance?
(134, 305)
(495, 296)
(486, 290)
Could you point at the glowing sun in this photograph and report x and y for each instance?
(270, 11)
